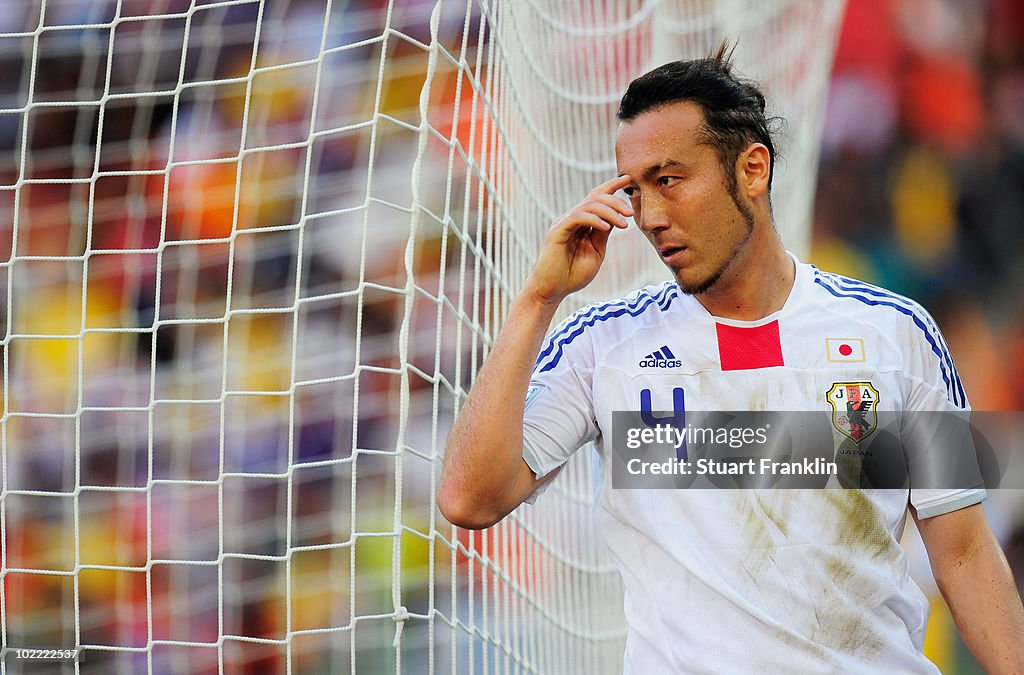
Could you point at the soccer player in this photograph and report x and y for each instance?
(799, 581)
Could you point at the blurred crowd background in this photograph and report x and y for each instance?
(921, 189)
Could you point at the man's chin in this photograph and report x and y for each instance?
(692, 284)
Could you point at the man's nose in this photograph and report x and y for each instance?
(652, 214)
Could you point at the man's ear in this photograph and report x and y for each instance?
(753, 169)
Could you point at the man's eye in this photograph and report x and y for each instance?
(667, 180)
(630, 191)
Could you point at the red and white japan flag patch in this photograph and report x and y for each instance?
(845, 350)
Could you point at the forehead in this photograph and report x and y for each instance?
(671, 131)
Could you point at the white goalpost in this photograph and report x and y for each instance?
(252, 253)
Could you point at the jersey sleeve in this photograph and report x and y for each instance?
(559, 414)
(937, 408)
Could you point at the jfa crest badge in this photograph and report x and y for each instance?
(853, 408)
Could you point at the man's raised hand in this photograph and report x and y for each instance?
(575, 246)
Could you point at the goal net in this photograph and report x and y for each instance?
(252, 254)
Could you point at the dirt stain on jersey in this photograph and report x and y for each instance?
(851, 526)
(861, 524)
(765, 515)
(850, 590)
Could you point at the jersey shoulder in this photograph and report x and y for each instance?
(607, 322)
(890, 313)
(901, 320)
(861, 300)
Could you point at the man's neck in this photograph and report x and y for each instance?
(757, 283)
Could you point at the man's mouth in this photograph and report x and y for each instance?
(670, 251)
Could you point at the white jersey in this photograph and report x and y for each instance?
(807, 581)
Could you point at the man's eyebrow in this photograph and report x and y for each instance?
(650, 171)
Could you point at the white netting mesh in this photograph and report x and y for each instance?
(563, 89)
(251, 255)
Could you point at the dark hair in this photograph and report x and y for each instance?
(733, 107)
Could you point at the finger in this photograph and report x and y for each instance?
(595, 221)
(575, 221)
(620, 206)
(608, 212)
(589, 237)
(613, 185)
(599, 240)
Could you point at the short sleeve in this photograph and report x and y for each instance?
(559, 414)
(936, 401)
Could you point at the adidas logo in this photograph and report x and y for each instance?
(660, 358)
